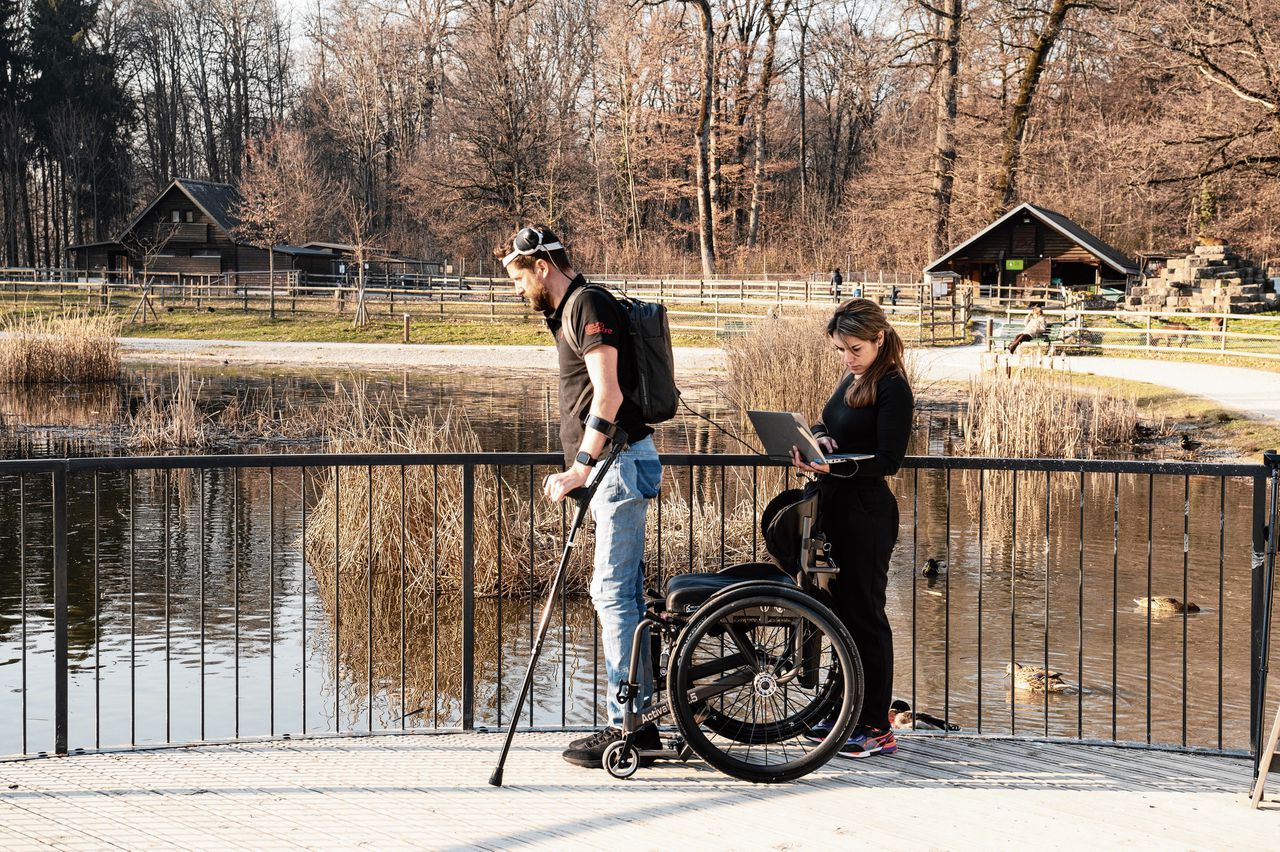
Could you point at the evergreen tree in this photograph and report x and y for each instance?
(14, 62)
(79, 114)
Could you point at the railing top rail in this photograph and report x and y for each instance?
(320, 460)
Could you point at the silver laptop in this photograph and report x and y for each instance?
(782, 430)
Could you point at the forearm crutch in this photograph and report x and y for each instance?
(583, 497)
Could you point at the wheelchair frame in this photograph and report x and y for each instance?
(671, 630)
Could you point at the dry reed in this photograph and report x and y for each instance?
(1036, 416)
(343, 532)
(170, 418)
(75, 347)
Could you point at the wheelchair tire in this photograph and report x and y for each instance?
(754, 729)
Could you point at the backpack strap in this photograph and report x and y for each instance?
(566, 327)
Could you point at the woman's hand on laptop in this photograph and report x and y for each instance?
(798, 461)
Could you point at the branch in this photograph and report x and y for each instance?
(1241, 162)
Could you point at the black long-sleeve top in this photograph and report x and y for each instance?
(882, 429)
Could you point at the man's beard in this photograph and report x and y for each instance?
(541, 300)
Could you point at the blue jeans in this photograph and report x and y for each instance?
(617, 581)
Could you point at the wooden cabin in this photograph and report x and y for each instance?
(190, 228)
(187, 228)
(1032, 253)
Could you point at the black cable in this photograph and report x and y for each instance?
(755, 450)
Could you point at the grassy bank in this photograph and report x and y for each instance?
(1225, 433)
(319, 328)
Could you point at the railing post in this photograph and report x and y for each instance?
(1264, 572)
(468, 595)
(60, 610)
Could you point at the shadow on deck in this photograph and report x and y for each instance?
(431, 792)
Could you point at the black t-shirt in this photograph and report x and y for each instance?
(882, 429)
(598, 320)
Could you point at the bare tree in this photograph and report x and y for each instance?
(702, 134)
(146, 244)
(1232, 46)
(948, 15)
(357, 225)
(1049, 29)
(774, 16)
(279, 190)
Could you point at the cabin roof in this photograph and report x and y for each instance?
(1112, 257)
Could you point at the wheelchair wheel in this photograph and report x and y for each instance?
(812, 708)
(620, 761)
(753, 672)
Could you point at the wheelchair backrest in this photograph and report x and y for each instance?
(782, 524)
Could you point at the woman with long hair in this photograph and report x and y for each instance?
(870, 413)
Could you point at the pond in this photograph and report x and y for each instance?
(210, 620)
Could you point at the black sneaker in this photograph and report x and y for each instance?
(589, 751)
(581, 742)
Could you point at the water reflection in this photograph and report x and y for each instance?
(196, 611)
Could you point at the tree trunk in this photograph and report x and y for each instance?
(804, 126)
(271, 279)
(766, 82)
(944, 136)
(1011, 144)
(702, 142)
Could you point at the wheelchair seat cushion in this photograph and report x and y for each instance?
(688, 591)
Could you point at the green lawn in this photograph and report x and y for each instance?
(232, 324)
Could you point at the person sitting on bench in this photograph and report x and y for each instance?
(1035, 327)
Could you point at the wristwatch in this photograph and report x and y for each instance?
(584, 457)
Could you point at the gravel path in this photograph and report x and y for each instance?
(1256, 393)
(1253, 392)
(374, 354)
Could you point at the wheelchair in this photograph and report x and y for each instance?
(747, 661)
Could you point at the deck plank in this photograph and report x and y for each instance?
(430, 791)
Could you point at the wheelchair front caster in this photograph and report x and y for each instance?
(621, 760)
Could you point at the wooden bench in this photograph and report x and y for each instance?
(1057, 337)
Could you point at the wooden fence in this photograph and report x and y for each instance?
(1241, 335)
(718, 306)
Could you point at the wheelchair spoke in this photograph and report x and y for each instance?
(763, 671)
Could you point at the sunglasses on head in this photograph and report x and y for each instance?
(529, 241)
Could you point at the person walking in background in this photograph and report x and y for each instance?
(596, 362)
(837, 280)
(1035, 326)
(870, 412)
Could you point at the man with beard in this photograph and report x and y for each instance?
(596, 363)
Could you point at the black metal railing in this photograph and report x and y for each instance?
(265, 595)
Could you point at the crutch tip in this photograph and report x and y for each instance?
(496, 778)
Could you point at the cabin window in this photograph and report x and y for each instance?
(190, 215)
(175, 216)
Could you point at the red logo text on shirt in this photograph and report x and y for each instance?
(597, 328)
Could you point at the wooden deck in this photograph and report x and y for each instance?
(431, 791)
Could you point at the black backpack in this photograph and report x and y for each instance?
(655, 393)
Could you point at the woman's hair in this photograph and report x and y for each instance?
(559, 258)
(864, 319)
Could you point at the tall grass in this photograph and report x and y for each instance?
(77, 347)
(1034, 415)
(355, 517)
(784, 364)
(169, 417)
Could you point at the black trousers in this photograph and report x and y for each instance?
(861, 523)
